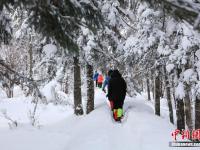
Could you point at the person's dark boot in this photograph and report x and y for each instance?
(118, 119)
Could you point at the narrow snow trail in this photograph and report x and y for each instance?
(141, 130)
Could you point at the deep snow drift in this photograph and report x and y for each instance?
(59, 129)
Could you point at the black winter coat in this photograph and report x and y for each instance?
(117, 89)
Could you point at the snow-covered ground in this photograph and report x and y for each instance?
(59, 129)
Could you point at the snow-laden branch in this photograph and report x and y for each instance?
(19, 78)
(109, 56)
(183, 9)
(125, 15)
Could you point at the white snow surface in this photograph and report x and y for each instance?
(50, 50)
(180, 93)
(50, 89)
(170, 67)
(189, 75)
(198, 54)
(60, 129)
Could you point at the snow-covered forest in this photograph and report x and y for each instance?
(50, 50)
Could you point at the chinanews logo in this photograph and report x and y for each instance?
(186, 138)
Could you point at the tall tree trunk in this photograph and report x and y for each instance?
(197, 113)
(65, 80)
(168, 93)
(30, 51)
(188, 108)
(78, 109)
(173, 90)
(10, 86)
(161, 87)
(12, 89)
(180, 113)
(66, 85)
(157, 93)
(9, 90)
(148, 89)
(30, 62)
(90, 89)
(187, 101)
(142, 85)
(197, 99)
(153, 85)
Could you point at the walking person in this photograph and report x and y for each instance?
(116, 94)
(100, 80)
(95, 78)
(106, 81)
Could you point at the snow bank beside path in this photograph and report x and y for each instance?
(19, 109)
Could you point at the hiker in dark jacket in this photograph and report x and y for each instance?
(116, 94)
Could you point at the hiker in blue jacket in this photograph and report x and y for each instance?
(95, 78)
(106, 81)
